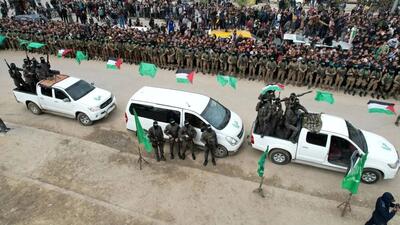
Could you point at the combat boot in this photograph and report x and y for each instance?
(213, 162)
(193, 156)
(205, 162)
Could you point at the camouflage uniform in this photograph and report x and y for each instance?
(189, 58)
(396, 87)
(253, 62)
(312, 68)
(242, 64)
(330, 74)
(262, 67)
(352, 73)
(374, 80)
(302, 73)
(223, 61)
(232, 61)
(163, 57)
(340, 76)
(283, 66)
(362, 81)
(171, 58)
(271, 69)
(292, 72)
(180, 54)
(214, 62)
(197, 56)
(319, 78)
(205, 58)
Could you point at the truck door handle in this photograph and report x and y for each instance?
(41, 98)
(305, 147)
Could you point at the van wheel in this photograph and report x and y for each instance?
(279, 156)
(220, 151)
(34, 108)
(84, 119)
(371, 176)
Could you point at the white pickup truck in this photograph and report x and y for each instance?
(70, 97)
(332, 147)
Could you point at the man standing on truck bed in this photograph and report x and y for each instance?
(209, 138)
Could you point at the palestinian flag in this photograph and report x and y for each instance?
(63, 52)
(184, 76)
(381, 107)
(273, 87)
(114, 64)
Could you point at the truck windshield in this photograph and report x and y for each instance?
(79, 89)
(357, 137)
(216, 114)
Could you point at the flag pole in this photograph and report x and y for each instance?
(141, 159)
(259, 190)
(346, 205)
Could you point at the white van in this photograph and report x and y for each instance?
(162, 104)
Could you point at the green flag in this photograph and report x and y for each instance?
(352, 179)
(224, 80)
(2, 39)
(324, 96)
(147, 69)
(142, 137)
(80, 56)
(261, 163)
(23, 42)
(35, 45)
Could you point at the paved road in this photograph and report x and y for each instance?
(123, 83)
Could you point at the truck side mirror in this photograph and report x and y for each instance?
(66, 100)
(92, 83)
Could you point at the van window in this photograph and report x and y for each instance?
(317, 139)
(46, 91)
(155, 113)
(194, 120)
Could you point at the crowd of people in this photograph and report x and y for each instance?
(370, 66)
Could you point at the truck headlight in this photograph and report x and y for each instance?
(94, 109)
(232, 141)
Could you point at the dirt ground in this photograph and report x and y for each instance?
(66, 180)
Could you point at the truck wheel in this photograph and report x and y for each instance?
(220, 151)
(370, 176)
(279, 156)
(84, 119)
(34, 108)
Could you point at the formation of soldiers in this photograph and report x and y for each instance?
(273, 121)
(32, 72)
(181, 140)
(356, 71)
